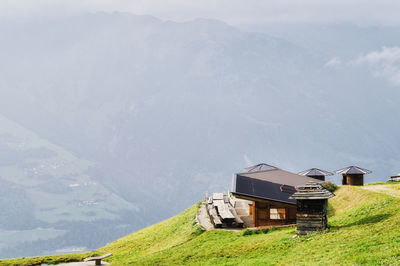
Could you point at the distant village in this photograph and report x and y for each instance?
(264, 196)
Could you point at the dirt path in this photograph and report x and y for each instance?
(90, 263)
(203, 219)
(386, 189)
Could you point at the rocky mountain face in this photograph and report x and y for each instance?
(111, 122)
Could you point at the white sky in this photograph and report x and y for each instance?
(235, 12)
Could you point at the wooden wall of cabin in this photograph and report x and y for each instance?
(261, 211)
(353, 179)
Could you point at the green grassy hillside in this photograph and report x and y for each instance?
(364, 228)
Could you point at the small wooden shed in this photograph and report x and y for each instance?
(316, 173)
(312, 204)
(353, 175)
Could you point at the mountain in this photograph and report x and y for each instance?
(159, 112)
(362, 230)
(343, 40)
(47, 196)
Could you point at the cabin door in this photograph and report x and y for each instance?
(344, 180)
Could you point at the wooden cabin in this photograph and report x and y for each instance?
(316, 173)
(395, 178)
(353, 175)
(269, 188)
(312, 205)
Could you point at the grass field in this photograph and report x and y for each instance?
(364, 229)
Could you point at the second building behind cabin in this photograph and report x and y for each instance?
(316, 173)
(269, 189)
(353, 175)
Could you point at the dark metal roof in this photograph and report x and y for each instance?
(312, 190)
(280, 176)
(260, 168)
(315, 172)
(353, 170)
(260, 189)
(275, 185)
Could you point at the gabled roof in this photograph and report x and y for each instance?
(353, 170)
(274, 184)
(312, 190)
(260, 168)
(315, 172)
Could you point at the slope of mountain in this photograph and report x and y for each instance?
(345, 40)
(45, 190)
(162, 112)
(362, 230)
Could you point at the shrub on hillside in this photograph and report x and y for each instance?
(330, 186)
(248, 232)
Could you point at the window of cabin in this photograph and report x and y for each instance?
(277, 213)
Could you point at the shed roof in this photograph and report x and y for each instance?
(260, 168)
(353, 170)
(312, 190)
(315, 172)
(274, 184)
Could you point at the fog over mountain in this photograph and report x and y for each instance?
(111, 122)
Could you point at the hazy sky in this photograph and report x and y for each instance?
(231, 11)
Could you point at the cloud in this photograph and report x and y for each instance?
(236, 12)
(248, 161)
(333, 62)
(384, 63)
